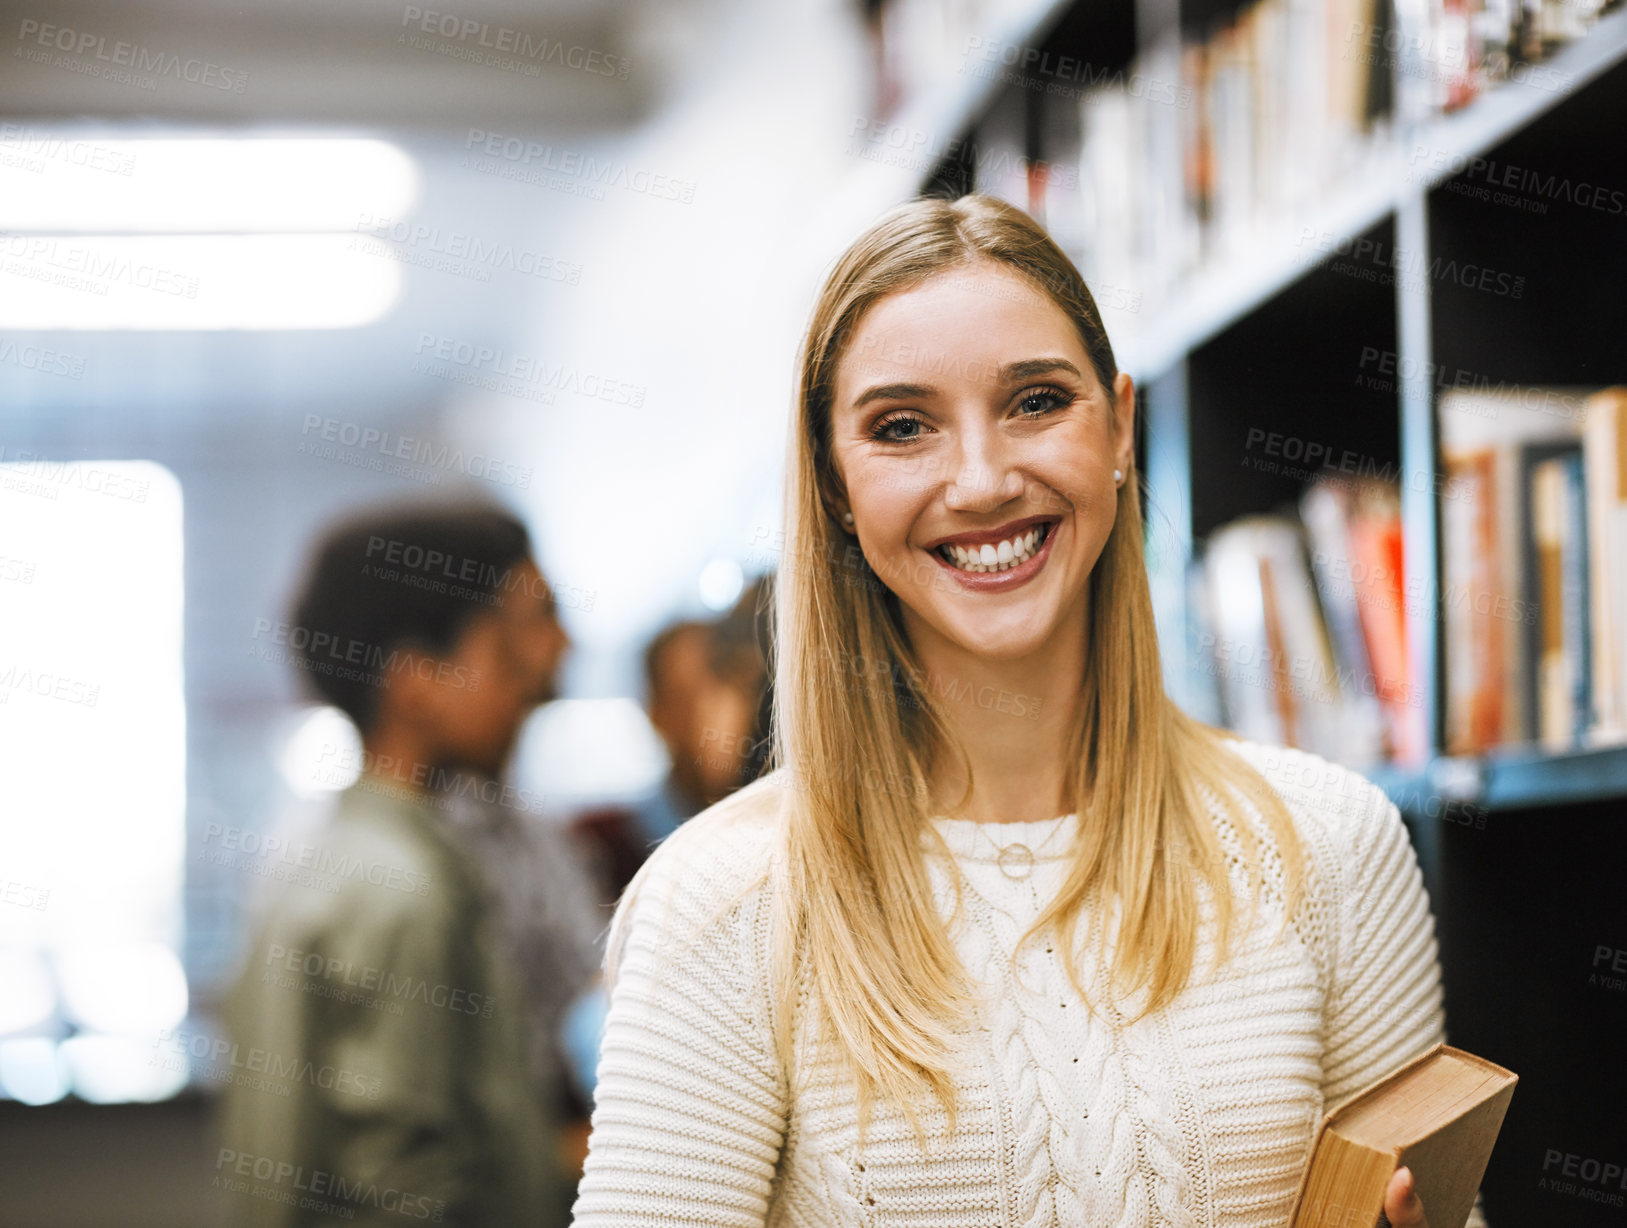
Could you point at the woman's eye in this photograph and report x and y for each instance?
(897, 429)
(1041, 401)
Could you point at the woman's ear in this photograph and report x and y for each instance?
(835, 502)
(1124, 421)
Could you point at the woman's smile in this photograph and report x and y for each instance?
(1000, 559)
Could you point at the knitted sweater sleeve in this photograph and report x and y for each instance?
(690, 1106)
(1385, 1005)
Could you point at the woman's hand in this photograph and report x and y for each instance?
(1401, 1204)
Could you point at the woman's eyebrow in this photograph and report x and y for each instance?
(1029, 368)
(890, 392)
(1011, 373)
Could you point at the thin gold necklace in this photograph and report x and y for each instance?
(1016, 860)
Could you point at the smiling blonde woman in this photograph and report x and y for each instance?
(1003, 937)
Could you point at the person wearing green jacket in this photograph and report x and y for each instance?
(378, 1001)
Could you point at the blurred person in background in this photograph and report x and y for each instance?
(707, 697)
(703, 685)
(742, 648)
(703, 681)
(382, 995)
(540, 887)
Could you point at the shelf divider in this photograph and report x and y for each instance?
(1420, 513)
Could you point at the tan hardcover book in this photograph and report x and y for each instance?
(1555, 714)
(1476, 620)
(1438, 1115)
(1604, 451)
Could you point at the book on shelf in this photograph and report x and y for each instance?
(1438, 1115)
(1268, 648)
(1202, 149)
(1559, 686)
(1310, 648)
(1378, 571)
(1472, 630)
(1604, 460)
(1534, 599)
(1326, 509)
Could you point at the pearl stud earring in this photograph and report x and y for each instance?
(847, 517)
(1118, 476)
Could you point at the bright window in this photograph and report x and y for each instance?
(93, 747)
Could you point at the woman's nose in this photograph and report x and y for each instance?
(982, 473)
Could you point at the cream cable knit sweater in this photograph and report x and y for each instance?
(1198, 1116)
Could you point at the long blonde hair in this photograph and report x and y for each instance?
(855, 920)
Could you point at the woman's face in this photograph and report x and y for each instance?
(977, 448)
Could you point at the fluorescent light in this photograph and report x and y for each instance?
(209, 282)
(30, 997)
(119, 986)
(60, 180)
(31, 1070)
(116, 1069)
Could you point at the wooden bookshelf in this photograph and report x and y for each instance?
(1520, 848)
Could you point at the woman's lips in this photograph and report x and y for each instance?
(1013, 577)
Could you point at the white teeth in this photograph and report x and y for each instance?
(1002, 557)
